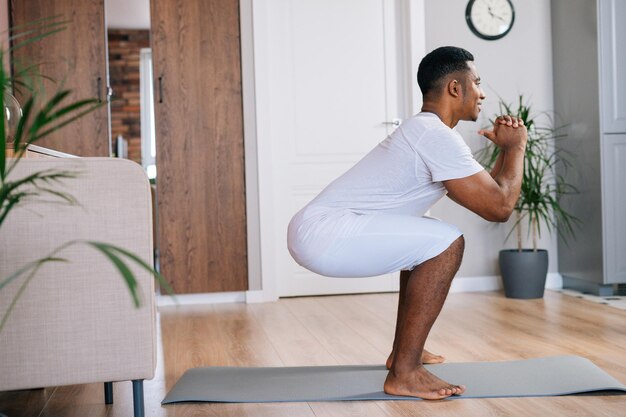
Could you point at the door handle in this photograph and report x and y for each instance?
(394, 122)
(160, 89)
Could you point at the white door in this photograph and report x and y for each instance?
(332, 87)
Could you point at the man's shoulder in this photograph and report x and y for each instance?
(422, 128)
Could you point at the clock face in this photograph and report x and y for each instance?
(490, 19)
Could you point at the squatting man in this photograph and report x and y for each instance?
(370, 221)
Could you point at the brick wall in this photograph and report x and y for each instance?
(124, 47)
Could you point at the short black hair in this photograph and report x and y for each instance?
(439, 63)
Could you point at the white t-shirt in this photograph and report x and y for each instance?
(404, 173)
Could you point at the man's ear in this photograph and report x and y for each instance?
(454, 88)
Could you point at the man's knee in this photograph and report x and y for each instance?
(457, 248)
(459, 243)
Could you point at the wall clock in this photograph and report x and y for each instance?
(490, 19)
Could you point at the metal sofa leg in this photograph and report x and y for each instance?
(138, 404)
(108, 393)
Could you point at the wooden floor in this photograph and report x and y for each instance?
(358, 329)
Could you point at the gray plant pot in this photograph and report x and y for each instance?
(524, 273)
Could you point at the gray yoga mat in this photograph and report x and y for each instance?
(557, 375)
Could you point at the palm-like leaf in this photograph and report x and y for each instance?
(542, 188)
(119, 257)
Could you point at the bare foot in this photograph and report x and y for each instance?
(420, 383)
(427, 358)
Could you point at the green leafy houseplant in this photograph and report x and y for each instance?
(541, 188)
(524, 271)
(39, 118)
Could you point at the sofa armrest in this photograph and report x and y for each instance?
(75, 321)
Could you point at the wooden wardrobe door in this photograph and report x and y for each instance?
(199, 136)
(74, 58)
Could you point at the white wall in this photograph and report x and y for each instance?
(521, 62)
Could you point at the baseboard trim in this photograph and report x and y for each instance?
(260, 296)
(476, 283)
(494, 283)
(201, 298)
(554, 281)
(460, 284)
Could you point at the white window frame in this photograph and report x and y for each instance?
(148, 140)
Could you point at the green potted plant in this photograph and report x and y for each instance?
(25, 125)
(524, 270)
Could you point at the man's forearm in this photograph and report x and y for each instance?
(498, 166)
(511, 173)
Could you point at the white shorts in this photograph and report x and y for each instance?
(346, 244)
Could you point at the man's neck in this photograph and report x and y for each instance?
(442, 111)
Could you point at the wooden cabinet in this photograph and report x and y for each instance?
(201, 205)
(589, 47)
(76, 59)
(199, 134)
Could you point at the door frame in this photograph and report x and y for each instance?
(262, 263)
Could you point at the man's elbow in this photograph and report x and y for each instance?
(499, 215)
(503, 218)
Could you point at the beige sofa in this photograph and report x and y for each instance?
(75, 322)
